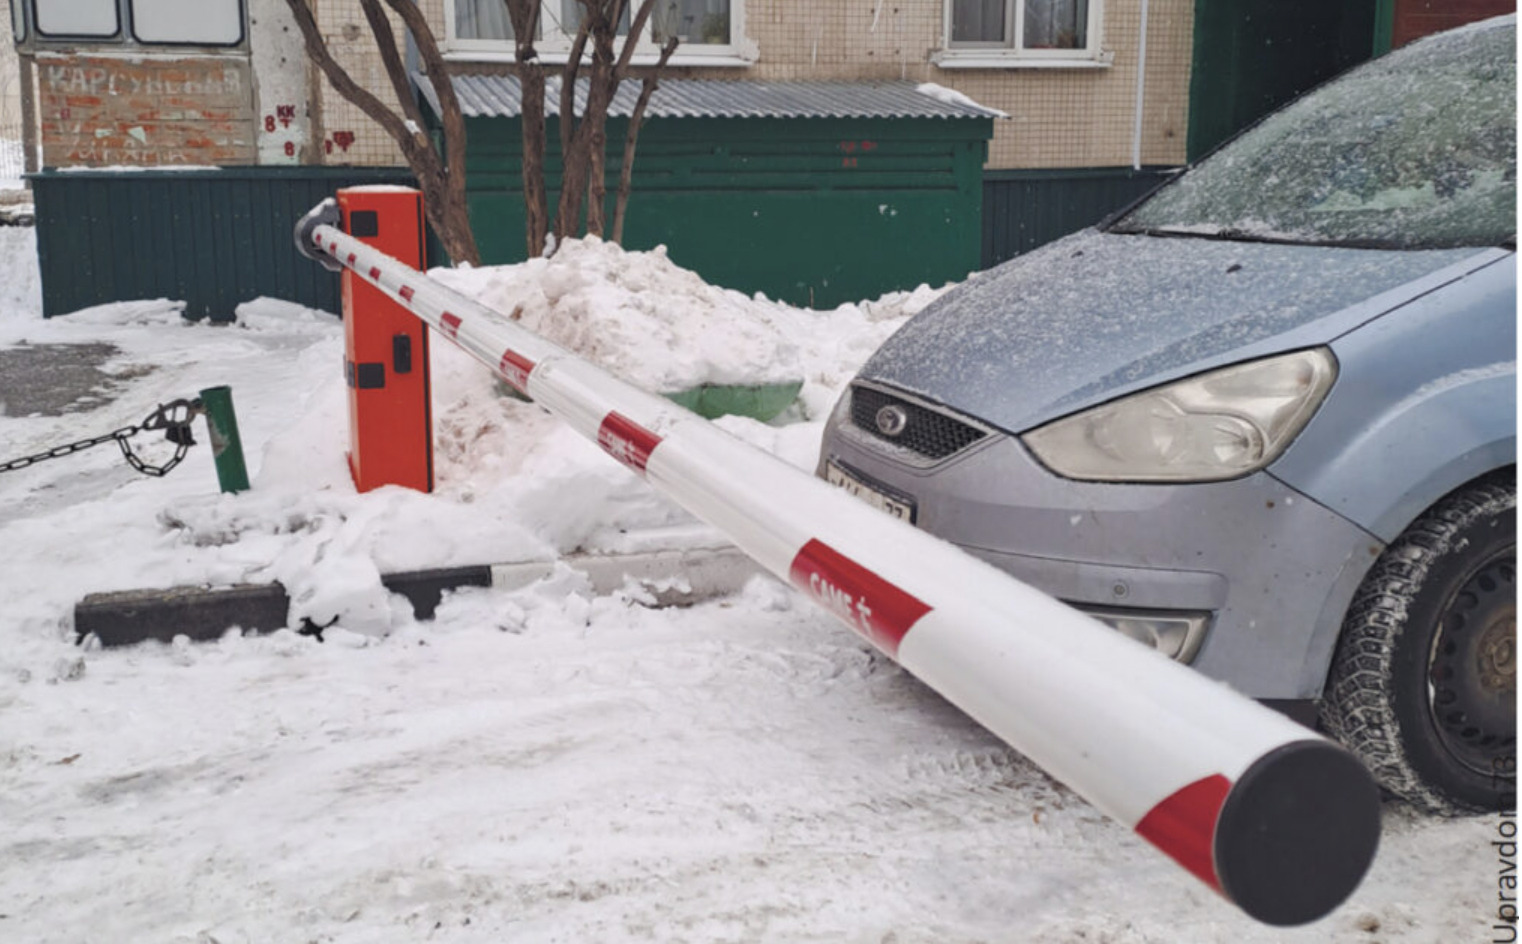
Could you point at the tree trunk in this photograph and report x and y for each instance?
(597, 183)
(584, 140)
(631, 139)
(577, 171)
(536, 201)
(530, 71)
(457, 212)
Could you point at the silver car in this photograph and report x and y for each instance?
(1265, 420)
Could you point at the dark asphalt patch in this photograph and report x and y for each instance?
(58, 379)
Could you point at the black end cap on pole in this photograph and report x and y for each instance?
(323, 214)
(1297, 832)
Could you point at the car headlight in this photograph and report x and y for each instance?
(1218, 425)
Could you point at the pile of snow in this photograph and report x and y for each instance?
(661, 327)
(639, 315)
(20, 283)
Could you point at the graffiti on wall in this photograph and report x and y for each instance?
(98, 111)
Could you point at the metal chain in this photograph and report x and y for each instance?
(174, 418)
(61, 451)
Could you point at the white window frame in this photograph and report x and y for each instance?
(1008, 54)
(554, 44)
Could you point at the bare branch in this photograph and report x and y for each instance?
(444, 192)
(524, 15)
(344, 83)
(568, 82)
(396, 70)
(635, 29)
(438, 76)
(631, 138)
(530, 71)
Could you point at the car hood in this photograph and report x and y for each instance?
(1097, 315)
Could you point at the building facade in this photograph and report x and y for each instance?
(1084, 87)
(1085, 83)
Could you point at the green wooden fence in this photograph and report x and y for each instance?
(763, 214)
(1023, 209)
(210, 238)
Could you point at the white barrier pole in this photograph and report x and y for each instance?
(1278, 820)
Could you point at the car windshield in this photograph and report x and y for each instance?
(1416, 150)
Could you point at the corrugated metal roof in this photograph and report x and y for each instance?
(483, 96)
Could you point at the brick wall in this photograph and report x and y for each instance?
(114, 110)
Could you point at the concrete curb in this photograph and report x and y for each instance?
(673, 578)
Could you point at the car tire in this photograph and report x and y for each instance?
(1423, 684)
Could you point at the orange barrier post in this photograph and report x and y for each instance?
(386, 348)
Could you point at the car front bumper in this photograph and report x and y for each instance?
(1268, 571)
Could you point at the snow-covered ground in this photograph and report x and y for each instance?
(544, 764)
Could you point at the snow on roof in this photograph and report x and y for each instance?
(483, 96)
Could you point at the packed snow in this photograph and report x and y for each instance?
(12, 165)
(953, 97)
(543, 764)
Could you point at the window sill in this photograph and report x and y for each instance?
(558, 58)
(130, 51)
(988, 59)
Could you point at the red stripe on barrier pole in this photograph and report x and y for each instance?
(451, 324)
(351, 258)
(866, 602)
(1183, 826)
(375, 273)
(626, 441)
(406, 292)
(516, 368)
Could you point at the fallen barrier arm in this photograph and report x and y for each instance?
(1280, 821)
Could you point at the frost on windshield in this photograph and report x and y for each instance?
(1416, 150)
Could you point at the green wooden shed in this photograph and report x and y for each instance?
(816, 193)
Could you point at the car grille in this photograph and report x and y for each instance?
(931, 434)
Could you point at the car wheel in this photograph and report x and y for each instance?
(1423, 686)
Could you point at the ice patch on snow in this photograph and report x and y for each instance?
(154, 311)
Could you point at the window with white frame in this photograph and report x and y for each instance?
(710, 31)
(989, 33)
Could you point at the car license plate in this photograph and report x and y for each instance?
(876, 497)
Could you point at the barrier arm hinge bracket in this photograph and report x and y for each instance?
(323, 214)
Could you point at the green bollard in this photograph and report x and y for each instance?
(226, 447)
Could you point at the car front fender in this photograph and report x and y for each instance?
(1425, 400)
